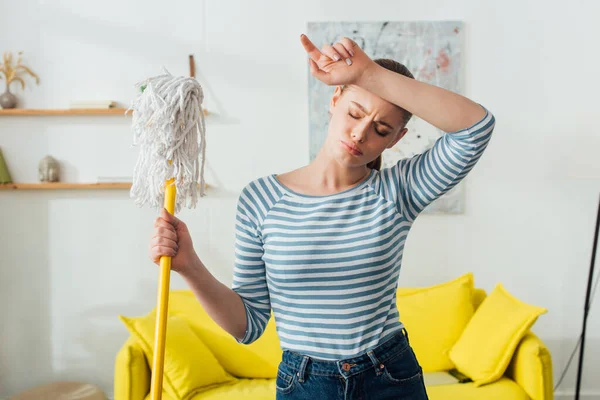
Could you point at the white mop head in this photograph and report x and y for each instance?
(168, 124)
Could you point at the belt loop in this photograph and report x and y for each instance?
(302, 370)
(376, 363)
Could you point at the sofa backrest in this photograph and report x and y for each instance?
(478, 296)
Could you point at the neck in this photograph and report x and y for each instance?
(326, 172)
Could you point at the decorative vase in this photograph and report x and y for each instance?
(7, 99)
(4, 173)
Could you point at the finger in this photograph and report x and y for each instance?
(164, 251)
(331, 52)
(166, 232)
(167, 216)
(317, 73)
(158, 251)
(161, 242)
(342, 50)
(339, 47)
(310, 48)
(349, 44)
(161, 223)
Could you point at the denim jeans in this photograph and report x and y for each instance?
(388, 371)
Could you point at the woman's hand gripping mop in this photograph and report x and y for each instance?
(168, 125)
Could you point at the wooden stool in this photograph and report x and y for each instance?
(62, 391)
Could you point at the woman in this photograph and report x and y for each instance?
(321, 246)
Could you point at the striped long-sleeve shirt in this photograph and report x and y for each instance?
(328, 266)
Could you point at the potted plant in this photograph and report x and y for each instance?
(11, 73)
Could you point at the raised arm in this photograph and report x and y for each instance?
(420, 180)
(416, 182)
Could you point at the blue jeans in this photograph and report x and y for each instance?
(388, 371)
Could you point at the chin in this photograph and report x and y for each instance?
(348, 161)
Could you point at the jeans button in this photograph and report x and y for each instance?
(346, 367)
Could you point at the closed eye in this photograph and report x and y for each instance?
(378, 132)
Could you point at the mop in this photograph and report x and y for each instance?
(168, 125)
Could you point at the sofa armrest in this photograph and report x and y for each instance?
(132, 372)
(531, 368)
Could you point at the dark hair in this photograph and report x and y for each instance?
(401, 69)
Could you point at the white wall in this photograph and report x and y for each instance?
(73, 260)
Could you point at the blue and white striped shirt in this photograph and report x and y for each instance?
(328, 266)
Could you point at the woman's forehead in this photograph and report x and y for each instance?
(370, 101)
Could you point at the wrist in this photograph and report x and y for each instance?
(368, 76)
(192, 268)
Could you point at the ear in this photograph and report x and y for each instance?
(334, 99)
(399, 136)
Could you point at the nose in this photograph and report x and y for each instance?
(359, 133)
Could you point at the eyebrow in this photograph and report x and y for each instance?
(366, 112)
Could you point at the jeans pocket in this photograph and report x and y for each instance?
(286, 379)
(403, 369)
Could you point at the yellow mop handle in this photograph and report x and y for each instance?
(162, 306)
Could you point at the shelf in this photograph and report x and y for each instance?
(67, 111)
(67, 186)
(64, 185)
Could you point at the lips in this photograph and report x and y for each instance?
(351, 148)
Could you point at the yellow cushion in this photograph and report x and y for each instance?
(259, 359)
(132, 373)
(435, 317)
(243, 389)
(487, 344)
(189, 366)
(478, 296)
(531, 367)
(502, 389)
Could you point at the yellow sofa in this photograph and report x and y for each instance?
(528, 376)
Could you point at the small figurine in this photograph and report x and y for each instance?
(48, 169)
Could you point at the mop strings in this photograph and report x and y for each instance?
(168, 124)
